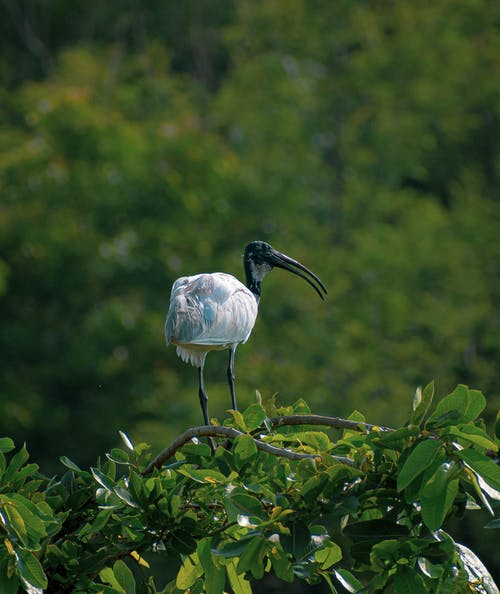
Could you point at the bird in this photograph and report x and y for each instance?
(216, 311)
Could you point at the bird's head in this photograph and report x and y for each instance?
(260, 258)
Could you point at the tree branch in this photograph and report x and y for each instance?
(230, 433)
(336, 422)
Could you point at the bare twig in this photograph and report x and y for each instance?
(335, 422)
(231, 433)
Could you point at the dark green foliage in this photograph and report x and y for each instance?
(358, 137)
(227, 519)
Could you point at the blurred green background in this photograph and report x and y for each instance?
(141, 142)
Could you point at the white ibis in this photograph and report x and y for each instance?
(216, 311)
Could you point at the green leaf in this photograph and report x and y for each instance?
(118, 456)
(407, 581)
(18, 459)
(281, 563)
(215, 575)
(451, 409)
(105, 481)
(429, 569)
(191, 569)
(238, 582)
(124, 576)
(238, 419)
(417, 398)
(348, 581)
(385, 554)
(203, 475)
(124, 495)
(421, 404)
(394, 440)
(31, 517)
(437, 495)
(477, 404)
(197, 448)
(6, 445)
(244, 449)
(232, 548)
(356, 415)
(196, 588)
(254, 416)
(126, 440)
(485, 468)
(420, 458)
(70, 464)
(108, 577)
(313, 486)
(497, 426)
(317, 440)
(307, 468)
(252, 558)
(473, 435)
(29, 569)
(136, 485)
(461, 406)
(15, 520)
(301, 407)
(473, 478)
(329, 554)
(240, 503)
(98, 524)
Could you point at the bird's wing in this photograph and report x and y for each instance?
(210, 309)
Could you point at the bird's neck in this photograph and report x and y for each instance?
(253, 278)
(255, 286)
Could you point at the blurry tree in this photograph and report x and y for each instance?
(33, 33)
(109, 185)
(376, 113)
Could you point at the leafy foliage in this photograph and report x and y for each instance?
(375, 521)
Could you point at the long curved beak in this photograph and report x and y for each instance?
(283, 261)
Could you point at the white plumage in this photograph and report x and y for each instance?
(216, 311)
(209, 312)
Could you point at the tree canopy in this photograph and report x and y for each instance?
(362, 511)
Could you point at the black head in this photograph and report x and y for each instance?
(258, 252)
(260, 258)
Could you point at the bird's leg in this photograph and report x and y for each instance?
(203, 394)
(230, 376)
(204, 403)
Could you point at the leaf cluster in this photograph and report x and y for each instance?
(233, 515)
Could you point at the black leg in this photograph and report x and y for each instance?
(203, 395)
(230, 376)
(204, 403)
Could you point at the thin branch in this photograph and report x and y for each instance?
(336, 422)
(230, 433)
